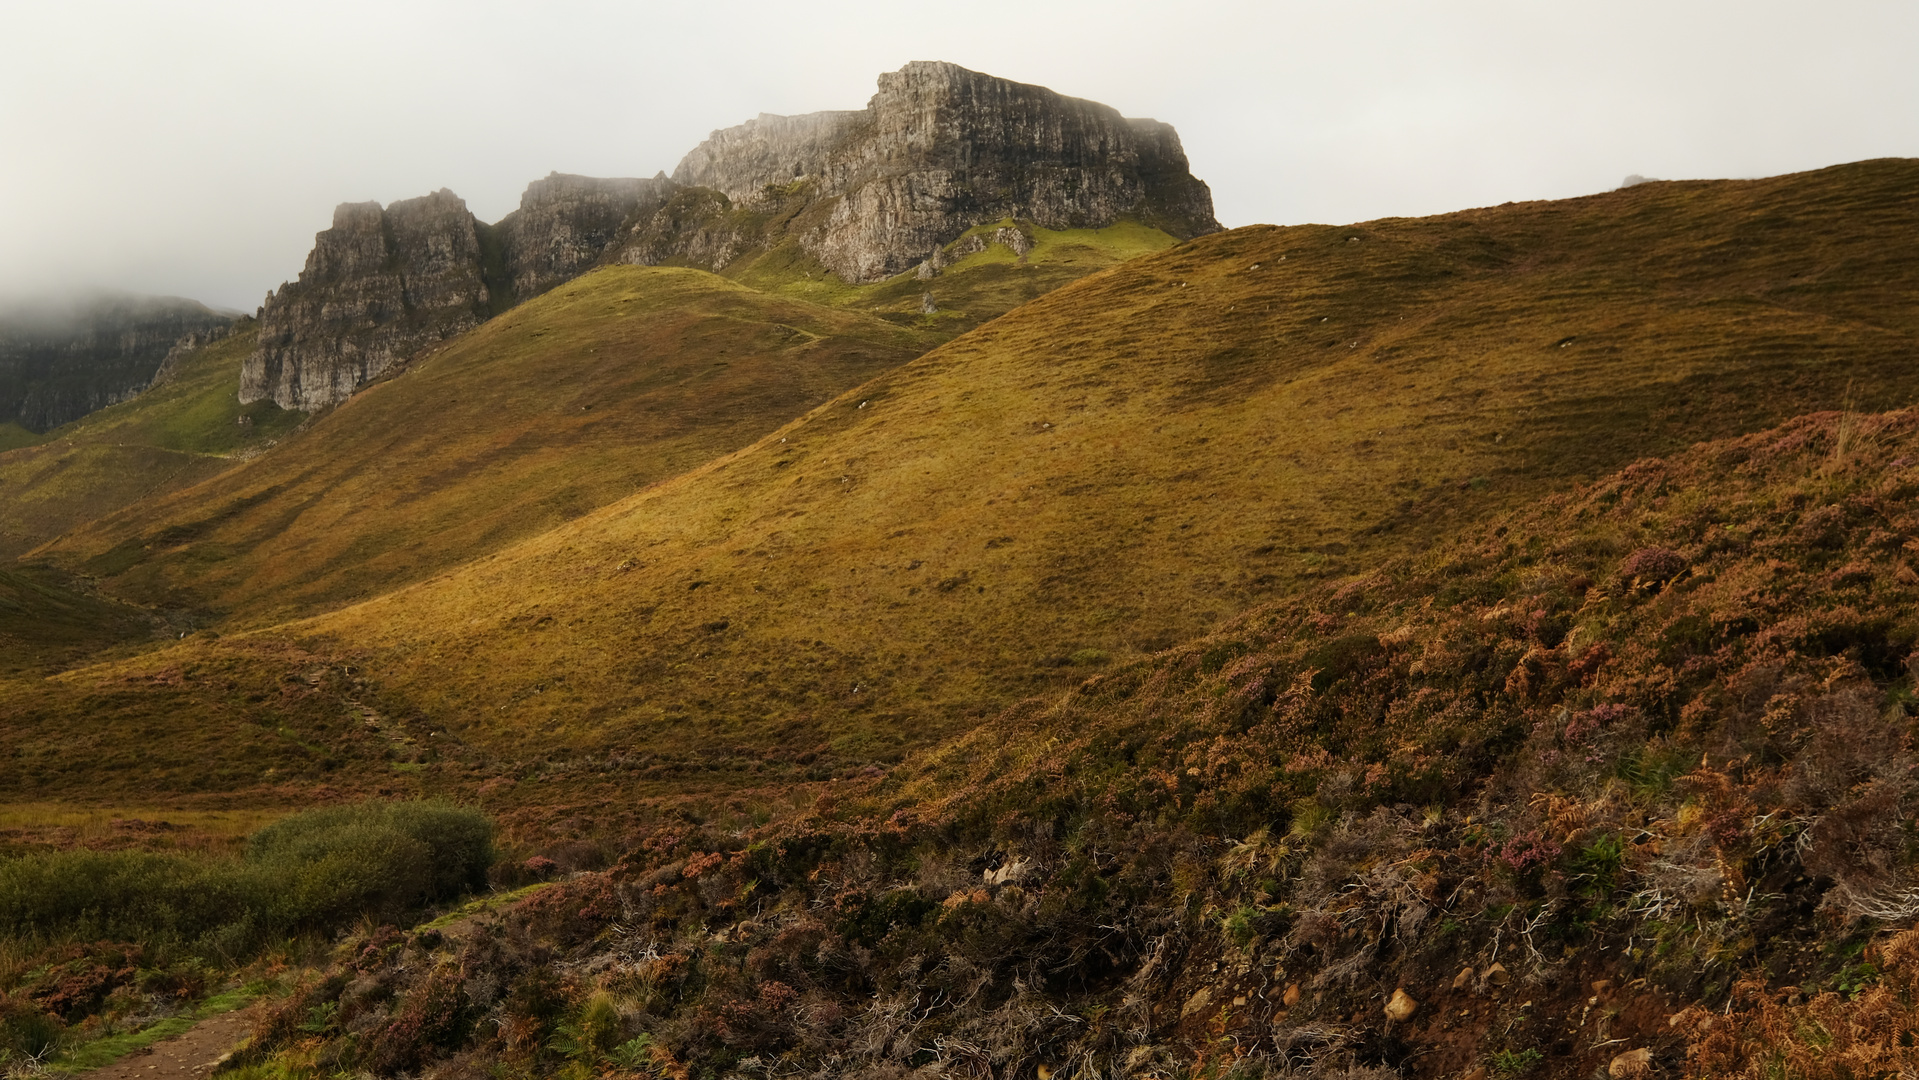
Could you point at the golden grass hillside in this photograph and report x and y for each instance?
(1618, 784)
(174, 435)
(1108, 471)
(46, 623)
(572, 401)
(569, 402)
(1122, 464)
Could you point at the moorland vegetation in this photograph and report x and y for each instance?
(1629, 773)
(105, 943)
(1480, 642)
(1098, 475)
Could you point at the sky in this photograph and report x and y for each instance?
(193, 148)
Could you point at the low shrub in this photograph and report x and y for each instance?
(27, 1034)
(310, 872)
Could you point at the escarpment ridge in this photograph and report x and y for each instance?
(858, 195)
(940, 149)
(378, 285)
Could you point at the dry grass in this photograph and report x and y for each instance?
(48, 623)
(1119, 466)
(1108, 471)
(88, 822)
(581, 397)
(57, 826)
(167, 438)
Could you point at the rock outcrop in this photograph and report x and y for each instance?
(867, 193)
(565, 223)
(940, 149)
(769, 149)
(193, 342)
(60, 360)
(378, 286)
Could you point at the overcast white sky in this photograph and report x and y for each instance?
(194, 148)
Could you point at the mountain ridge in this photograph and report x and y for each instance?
(939, 150)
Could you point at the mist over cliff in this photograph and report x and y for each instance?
(63, 357)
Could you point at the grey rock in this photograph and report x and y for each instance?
(695, 226)
(769, 150)
(940, 149)
(193, 342)
(378, 286)
(565, 223)
(1014, 238)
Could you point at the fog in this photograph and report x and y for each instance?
(194, 148)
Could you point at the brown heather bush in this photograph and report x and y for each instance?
(1780, 1032)
(1223, 860)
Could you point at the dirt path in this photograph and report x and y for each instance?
(190, 1054)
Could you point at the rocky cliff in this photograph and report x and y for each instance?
(940, 149)
(378, 286)
(62, 360)
(867, 193)
(565, 223)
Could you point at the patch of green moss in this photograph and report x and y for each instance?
(13, 436)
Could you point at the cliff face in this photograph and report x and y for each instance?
(769, 149)
(59, 362)
(564, 225)
(868, 193)
(379, 285)
(940, 149)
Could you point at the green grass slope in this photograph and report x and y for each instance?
(974, 288)
(1125, 462)
(13, 436)
(173, 435)
(579, 398)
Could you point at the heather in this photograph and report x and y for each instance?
(1547, 796)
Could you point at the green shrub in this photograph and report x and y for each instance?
(1508, 1064)
(122, 895)
(374, 858)
(310, 872)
